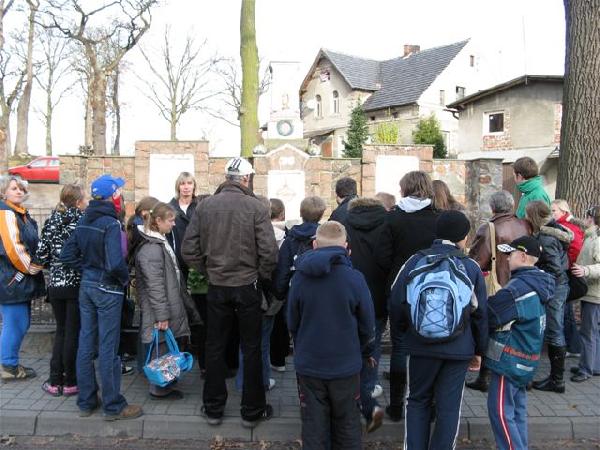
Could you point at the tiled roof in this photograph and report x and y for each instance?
(359, 73)
(403, 80)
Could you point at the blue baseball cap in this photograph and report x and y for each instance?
(105, 186)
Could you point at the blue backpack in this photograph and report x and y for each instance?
(439, 294)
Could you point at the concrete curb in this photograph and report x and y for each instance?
(24, 423)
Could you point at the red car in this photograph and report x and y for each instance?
(42, 169)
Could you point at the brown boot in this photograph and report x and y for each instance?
(129, 412)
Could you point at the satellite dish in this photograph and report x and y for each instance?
(311, 104)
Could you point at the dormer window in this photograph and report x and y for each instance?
(336, 102)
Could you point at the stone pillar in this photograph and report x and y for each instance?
(483, 178)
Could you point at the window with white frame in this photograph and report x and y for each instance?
(442, 97)
(319, 108)
(493, 122)
(336, 103)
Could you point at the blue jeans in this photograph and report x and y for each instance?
(507, 409)
(369, 376)
(100, 309)
(589, 362)
(15, 323)
(267, 327)
(571, 333)
(555, 316)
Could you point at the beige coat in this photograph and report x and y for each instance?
(589, 258)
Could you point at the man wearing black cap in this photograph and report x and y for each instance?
(440, 345)
(517, 320)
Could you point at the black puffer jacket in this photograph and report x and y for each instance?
(175, 237)
(555, 240)
(364, 224)
(64, 281)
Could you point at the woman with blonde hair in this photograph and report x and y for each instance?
(63, 290)
(184, 203)
(21, 279)
(554, 240)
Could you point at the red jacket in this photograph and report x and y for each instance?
(578, 233)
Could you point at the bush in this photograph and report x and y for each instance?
(386, 133)
(428, 132)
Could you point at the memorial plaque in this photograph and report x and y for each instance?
(288, 186)
(389, 169)
(164, 170)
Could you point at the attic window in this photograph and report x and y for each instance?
(324, 75)
(472, 60)
(442, 97)
(460, 92)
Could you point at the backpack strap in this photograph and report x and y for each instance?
(493, 243)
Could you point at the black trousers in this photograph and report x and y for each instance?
(226, 305)
(330, 411)
(280, 338)
(198, 338)
(64, 352)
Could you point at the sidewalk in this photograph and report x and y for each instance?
(26, 410)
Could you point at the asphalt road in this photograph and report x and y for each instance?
(75, 442)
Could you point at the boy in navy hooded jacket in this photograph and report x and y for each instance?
(437, 370)
(332, 321)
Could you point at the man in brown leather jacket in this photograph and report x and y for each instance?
(231, 241)
(508, 227)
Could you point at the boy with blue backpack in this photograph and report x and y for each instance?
(517, 320)
(439, 301)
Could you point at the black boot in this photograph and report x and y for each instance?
(482, 382)
(395, 410)
(555, 381)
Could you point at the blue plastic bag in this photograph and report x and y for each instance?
(164, 370)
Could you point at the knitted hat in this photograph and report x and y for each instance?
(452, 226)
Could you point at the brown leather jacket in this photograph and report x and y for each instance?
(508, 228)
(230, 238)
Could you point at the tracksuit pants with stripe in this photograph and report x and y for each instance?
(507, 408)
(430, 379)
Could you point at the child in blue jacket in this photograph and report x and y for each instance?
(517, 320)
(332, 321)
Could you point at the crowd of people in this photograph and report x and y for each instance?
(239, 289)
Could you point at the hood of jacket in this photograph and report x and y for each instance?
(151, 236)
(412, 204)
(563, 234)
(304, 231)
(531, 185)
(365, 213)
(97, 209)
(320, 261)
(541, 282)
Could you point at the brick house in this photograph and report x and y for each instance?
(401, 90)
(521, 117)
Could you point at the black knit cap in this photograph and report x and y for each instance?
(452, 226)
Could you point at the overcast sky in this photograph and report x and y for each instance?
(514, 36)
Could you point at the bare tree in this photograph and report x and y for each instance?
(250, 63)
(6, 101)
(231, 91)
(128, 21)
(25, 100)
(114, 106)
(579, 162)
(55, 69)
(180, 81)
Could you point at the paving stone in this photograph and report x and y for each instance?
(279, 429)
(549, 428)
(18, 423)
(61, 423)
(479, 428)
(586, 427)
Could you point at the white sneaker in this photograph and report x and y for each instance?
(272, 384)
(377, 391)
(278, 368)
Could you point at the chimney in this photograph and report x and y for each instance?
(410, 49)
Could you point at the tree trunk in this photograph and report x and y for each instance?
(579, 162)
(98, 106)
(249, 56)
(25, 100)
(88, 118)
(173, 118)
(117, 111)
(48, 117)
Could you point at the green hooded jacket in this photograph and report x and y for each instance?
(532, 190)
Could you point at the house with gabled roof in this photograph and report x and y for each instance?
(402, 90)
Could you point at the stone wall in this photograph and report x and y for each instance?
(483, 178)
(453, 172)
